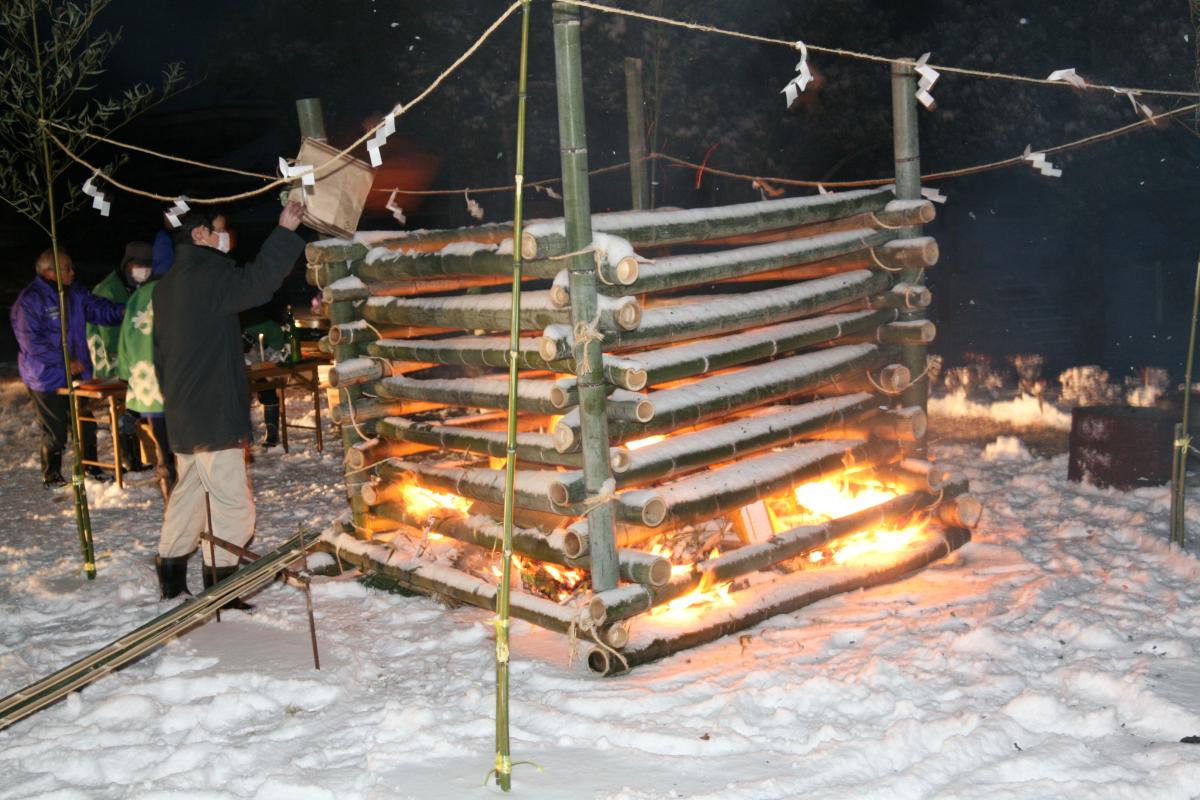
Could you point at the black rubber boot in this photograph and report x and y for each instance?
(172, 576)
(271, 422)
(131, 454)
(237, 603)
(52, 469)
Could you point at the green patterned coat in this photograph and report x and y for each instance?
(137, 353)
(103, 339)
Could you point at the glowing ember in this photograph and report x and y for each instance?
(862, 548)
(546, 580)
(825, 500)
(638, 444)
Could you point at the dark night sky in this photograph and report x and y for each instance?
(1095, 267)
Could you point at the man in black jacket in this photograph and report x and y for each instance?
(202, 374)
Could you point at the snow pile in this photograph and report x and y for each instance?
(1022, 412)
(1006, 448)
(1056, 655)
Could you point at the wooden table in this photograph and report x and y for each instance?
(281, 377)
(112, 391)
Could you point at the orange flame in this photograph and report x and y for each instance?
(421, 502)
(638, 444)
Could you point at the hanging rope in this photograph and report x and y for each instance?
(861, 56)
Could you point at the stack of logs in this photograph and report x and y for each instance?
(762, 339)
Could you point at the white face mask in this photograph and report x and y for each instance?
(139, 274)
(223, 241)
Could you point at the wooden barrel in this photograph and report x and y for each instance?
(1121, 446)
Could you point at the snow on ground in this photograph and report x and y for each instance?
(1054, 656)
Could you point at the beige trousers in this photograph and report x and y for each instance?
(222, 474)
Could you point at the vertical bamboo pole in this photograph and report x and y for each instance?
(1183, 439)
(907, 150)
(503, 765)
(83, 516)
(312, 120)
(568, 71)
(342, 312)
(635, 102)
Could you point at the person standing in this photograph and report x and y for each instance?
(143, 398)
(206, 396)
(35, 322)
(104, 340)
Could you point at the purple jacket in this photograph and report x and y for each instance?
(34, 318)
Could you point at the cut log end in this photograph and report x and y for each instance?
(654, 512)
(564, 438)
(635, 379)
(575, 543)
(560, 296)
(559, 397)
(601, 663)
(355, 459)
(616, 635)
(628, 315)
(644, 410)
(370, 494)
(548, 348)
(529, 246)
(627, 271)
(660, 572)
(597, 611)
(894, 378)
(964, 511)
(559, 494)
(618, 459)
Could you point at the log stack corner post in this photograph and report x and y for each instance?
(907, 150)
(589, 365)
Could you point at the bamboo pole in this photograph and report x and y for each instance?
(457, 260)
(585, 306)
(503, 764)
(712, 315)
(719, 395)
(635, 101)
(676, 272)
(491, 312)
(83, 515)
(360, 290)
(664, 227)
(535, 447)
(1183, 437)
(709, 630)
(907, 150)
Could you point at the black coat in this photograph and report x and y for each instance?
(198, 342)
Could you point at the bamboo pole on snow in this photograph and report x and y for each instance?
(503, 764)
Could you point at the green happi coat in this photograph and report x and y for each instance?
(103, 340)
(136, 350)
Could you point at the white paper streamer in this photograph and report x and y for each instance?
(797, 84)
(473, 208)
(547, 190)
(1041, 164)
(381, 136)
(929, 76)
(98, 201)
(1067, 76)
(396, 210)
(302, 171)
(1138, 108)
(821, 189)
(932, 195)
(178, 210)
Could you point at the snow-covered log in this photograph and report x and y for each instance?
(535, 447)
(493, 311)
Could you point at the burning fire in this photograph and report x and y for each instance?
(638, 444)
(548, 580)
(690, 605)
(421, 502)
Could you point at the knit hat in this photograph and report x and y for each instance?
(141, 252)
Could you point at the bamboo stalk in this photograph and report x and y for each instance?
(408, 288)
(682, 453)
(536, 447)
(325, 274)
(1183, 433)
(946, 542)
(715, 492)
(639, 182)
(457, 259)
(492, 312)
(576, 234)
(664, 227)
(907, 332)
(365, 410)
(896, 214)
(674, 272)
(713, 315)
(634, 565)
(358, 370)
(719, 395)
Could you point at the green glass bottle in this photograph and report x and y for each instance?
(293, 338)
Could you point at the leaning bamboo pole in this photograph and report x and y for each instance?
(585, 304)
(503, 764)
